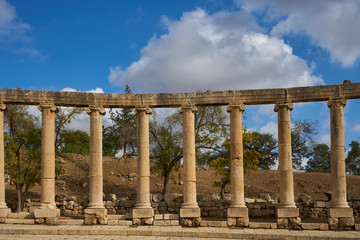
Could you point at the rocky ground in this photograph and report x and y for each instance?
(119, 178)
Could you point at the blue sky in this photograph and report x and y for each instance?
(176, 46)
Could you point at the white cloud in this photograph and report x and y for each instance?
(11, 27)
(331, 24)
(96, 90)
(270, 127)
(225, 50)
(325, 139)
(356, 128)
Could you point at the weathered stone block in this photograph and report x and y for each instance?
(265, 225)
(282, 223)
(147, 221)
(231, 222)
(346, 222)
(159, 216)
(287, 212)
(4, 212)
(190, 213)
(238, 212)
(96, 212)
(46, 212)
(242, 221)
(340, 212)
(143, 213)
(171, 216)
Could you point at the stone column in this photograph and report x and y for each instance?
(190, 208)
(339, 209)
(4, 210)
(143, 209)
(48, 206)
(237, 212)
(96, 212)
(286, 209)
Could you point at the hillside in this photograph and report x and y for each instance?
(116, 169)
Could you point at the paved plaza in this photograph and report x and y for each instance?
(17, 231)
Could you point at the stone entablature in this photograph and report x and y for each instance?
(153, 100)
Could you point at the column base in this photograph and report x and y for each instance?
(237, 216)
(190, 212)
(95, 216)
(341, 219)
(4, 212)
(190, 217)
(46, 212)
(288, 217)
(143, 216)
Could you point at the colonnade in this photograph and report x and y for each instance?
(237, 212)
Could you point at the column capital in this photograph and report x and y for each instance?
(337, 102)
(188, 107)
(50, 106)
(233, 106)
(145, 109)
(2, 107)
(94, 108)
(287, 104)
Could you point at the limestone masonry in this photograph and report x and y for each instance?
(189, 210)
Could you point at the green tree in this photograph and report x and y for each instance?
(166, 151)
(122, 134)
(23, 146)
(302, 142)
(221, 162)
(353, 158)
(75, 141)
(319, 160)
(63, 117)
(166, 139)
(266, 145)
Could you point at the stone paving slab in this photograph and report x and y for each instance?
(12, 231)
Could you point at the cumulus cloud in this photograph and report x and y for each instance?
(11, 27)
(270, 127)
(331, 24)
(356, 128)
(225, 50)
(96, 90)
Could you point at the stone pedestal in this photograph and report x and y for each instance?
(48, 206)
(96, 212)
(143, 213)
(95, 216)
(237, 212)
(4, 210)
(190, 211)
(288, 218)
(237, 216)
(340, 215)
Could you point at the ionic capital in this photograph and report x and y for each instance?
(94, 108)
(49, 106)
(337, 102)
(2, 107)
(145, 109)
(288, 105)
(188, 107)
(233, 106)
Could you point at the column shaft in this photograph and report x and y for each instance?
(236, 156)
(338, 171)
(189, 160)
(285, 156)
(2, 158)
(143, 158)
(96, 171)
(48, 155)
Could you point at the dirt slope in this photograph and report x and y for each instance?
(116, 169)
